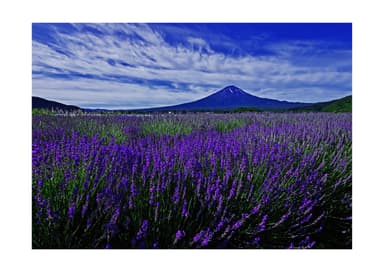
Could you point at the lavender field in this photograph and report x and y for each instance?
(242, 180)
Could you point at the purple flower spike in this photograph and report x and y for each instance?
(180, 234)
(197, 237)
(256, 241)
(238, 224)
(263, 222)
(142, 233)
(205, 242)
(71, 211)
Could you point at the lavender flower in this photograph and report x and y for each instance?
(205, 242)
(197, 237)
(184, 211)
(220, 225)
(142, 233)
(71, 211)
(263, 222)
(290, 165)
(256, 241)
(133, 189)
(238, 224)
(180, 234)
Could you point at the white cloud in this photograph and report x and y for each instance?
(87, 92)
(152, 58)
(305, 94)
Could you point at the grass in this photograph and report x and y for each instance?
(166, 127)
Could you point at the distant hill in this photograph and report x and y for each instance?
(41, 103)
(231, 98)
(339, 105)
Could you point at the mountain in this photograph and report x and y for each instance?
(41, 103)
(230, 98)
(339, 105)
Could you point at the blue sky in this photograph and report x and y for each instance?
(127, 66)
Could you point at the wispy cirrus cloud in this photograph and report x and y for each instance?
(141, 65)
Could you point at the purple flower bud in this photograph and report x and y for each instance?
(262, 224)
(205, 241)
(184, 211)
(256, 241)
(71, 211)
(255, 210)
(180, 234)
(75, 191)
(197, 237)
(142, 233)
(231, 193)
(133, 189)
(238, 224)
(219, 226)
(89, 222)
(312, 244)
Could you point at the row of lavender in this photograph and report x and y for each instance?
(263, 181)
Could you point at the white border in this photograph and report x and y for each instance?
(16, 18)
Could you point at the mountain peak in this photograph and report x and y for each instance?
(231, 89)
(232, 97)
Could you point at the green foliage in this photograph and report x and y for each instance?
(341, 105)
(229, 125)
(42, 112)
(166, 127)
(113, 131)
(247, 109)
